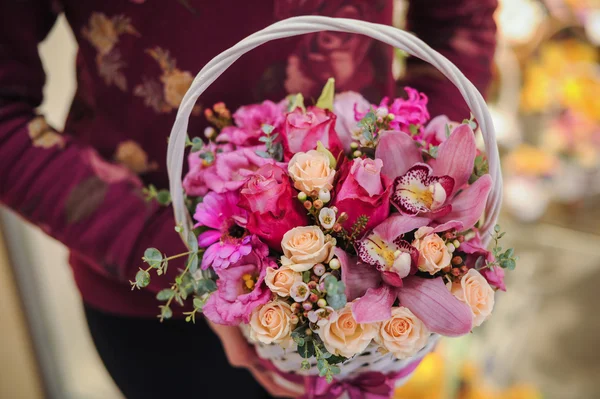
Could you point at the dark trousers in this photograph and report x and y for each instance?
(174, 359)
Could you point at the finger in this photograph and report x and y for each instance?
(265, 379)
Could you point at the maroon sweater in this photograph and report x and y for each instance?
(136, 59)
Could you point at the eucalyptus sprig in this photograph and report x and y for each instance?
(504, 259)
(162, 196)
(273, 148)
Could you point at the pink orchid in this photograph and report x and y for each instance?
(227, 240)
(346, 107)
(435, 131)
(235, 299)
(249, 121)
(427, 298)
(437, 192)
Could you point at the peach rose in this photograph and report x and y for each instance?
(281, 280)
(271, 324)
(311, 172)
(304, 247)
(344, 336)
(177, 84)
(403, 334)
(433, 253)
(475, 291)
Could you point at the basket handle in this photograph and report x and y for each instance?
(310, 24)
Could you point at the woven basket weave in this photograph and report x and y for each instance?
(370, 360)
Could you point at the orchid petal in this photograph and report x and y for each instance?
(468, 205)
(398, 224)
(456, 156)
(357, 277)
(375, 305)
(432, 302)
(398, 151)
(451, 225)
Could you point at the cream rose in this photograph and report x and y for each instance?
(403, 334)
(433, 253)
(304, 247)
(281, 280)
(311, 172)
(475, 291)
(271, 324)
(344, 336)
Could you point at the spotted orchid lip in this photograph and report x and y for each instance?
(417, 191)
(381, 254)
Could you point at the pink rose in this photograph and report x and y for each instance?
(363, 190)
(302, 130)
(227, 172)
(249, 121)
(271, 204)
(240, 288)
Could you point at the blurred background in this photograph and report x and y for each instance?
(543, 338)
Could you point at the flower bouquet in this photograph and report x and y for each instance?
(343, 237)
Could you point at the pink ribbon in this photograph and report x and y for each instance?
(369, 385)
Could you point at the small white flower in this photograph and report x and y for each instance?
(300, 291)
(381, 112)
(325, 195)
(327, 218)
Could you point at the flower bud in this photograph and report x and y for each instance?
(337, 227)
(322, 303)
(451, 247)
(319, 270)
(456, 243)
(302, 196)
(210, 132)
(308, 204)
(294, 319)
(307, 306)
(357, 154)
(354, 145)
(325, 195)
(335, 264)
(312, 285)
(318, 204)
(343, 218)
(313, 297)
(457, 260)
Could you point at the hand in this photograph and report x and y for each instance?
(241, 354)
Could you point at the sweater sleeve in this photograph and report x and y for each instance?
(465, 32)
(92, 206)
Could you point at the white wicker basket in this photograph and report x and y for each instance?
(373, 361)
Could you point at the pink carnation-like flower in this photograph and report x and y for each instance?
(227, 172)
(411, 111)
(227, 240)
(272, 206)
(249, 121)
(302, 130)
(240, 288)
(363, 190)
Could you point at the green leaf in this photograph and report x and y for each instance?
(414, 129)
(198, 303)
(262, 154)
(197, 144)
(296, 101)
(165, 294)
(335, 369)
(321, 148)
(142, 278)
(206, 287)
(497, 228)
(325, 100)
(163, 197)
(448, 132)
(264, 139)
(510, 264)
(153, 257)
(193, 262)
(306, 276)
(192, 241)
(307, 350)
(166, 312)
